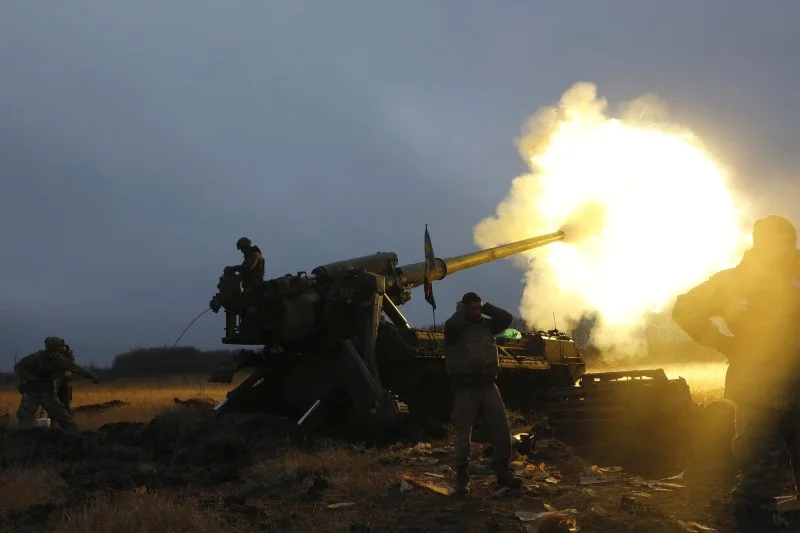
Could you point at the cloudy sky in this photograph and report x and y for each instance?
(139, 140)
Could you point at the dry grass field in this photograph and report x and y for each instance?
(144, 398)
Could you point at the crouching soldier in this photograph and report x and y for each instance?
(37, 373)
(64, 385)
(472, 366)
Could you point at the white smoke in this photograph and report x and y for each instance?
(647, 213)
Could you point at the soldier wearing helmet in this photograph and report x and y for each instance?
(37, 373)
(759, 300)
(64, 385)
(252, 268)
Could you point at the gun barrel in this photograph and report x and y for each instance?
(465, 261)
(413, 275)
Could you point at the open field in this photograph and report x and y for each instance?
(144, 398)
(187, 471)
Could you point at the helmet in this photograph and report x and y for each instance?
(243, 243)
(53, 343)
(773, 228)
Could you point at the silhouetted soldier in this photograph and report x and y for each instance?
(472, 366)
(252, 268)
(759, 300)
(64, 384)
(37, 373)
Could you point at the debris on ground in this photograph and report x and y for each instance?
(541, 517)
(447, 470)
(421, 446)
(439, 487)
(694, 527)
(554, 522)
(340, 505)
(421, 454)
(594, 474)
(529, 508)
(638, 504)
(664, 485)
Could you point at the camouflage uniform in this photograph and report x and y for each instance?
(472, 366)
(252, 267)
(64, 386)
(759, 300)
(37, 373)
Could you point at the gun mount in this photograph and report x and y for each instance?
(288, 308)
(320, 332)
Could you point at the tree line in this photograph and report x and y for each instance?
(154, 362)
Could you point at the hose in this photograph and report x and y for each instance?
(187, 329)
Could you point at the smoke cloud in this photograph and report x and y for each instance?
(647, 214)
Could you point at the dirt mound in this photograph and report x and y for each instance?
(97, 407)
(185, 445)
(197, 403)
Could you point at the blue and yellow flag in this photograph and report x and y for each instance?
(430, 266)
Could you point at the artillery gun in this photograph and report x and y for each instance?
(325, 339)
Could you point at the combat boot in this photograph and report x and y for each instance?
(505, 477)
(462, 480)
(754, 515)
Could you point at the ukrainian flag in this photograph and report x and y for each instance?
(430, 266)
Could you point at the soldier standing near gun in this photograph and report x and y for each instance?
(37, 373)
(472, 366)
(759, 300)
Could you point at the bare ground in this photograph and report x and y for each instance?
(187, 471)
(154, 464)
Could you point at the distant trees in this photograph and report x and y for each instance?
(153, 362)
(149, 362)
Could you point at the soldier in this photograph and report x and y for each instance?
(37, 372)
(252, 267)
(759, 300)
(472, 366)
(64, 386)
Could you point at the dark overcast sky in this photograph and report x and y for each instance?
(139, 140)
